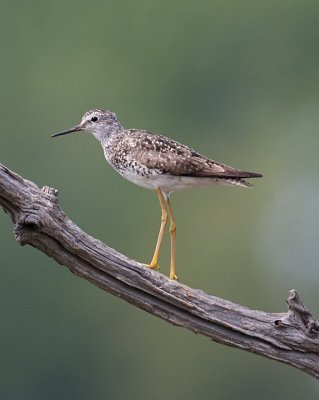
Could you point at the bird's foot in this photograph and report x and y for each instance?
(173, 277)
(153, 265)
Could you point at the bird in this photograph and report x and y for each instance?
(156, 162)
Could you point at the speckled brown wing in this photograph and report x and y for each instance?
(170, 157)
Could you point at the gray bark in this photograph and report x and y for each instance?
(291, 338)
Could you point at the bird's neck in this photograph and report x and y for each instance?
(104, 136)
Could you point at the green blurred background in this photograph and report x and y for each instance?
(238, 81)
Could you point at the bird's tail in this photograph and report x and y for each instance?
(237, 182)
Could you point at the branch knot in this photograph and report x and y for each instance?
(299, 316)
(26, 223)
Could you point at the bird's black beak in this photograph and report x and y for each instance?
(76, 128)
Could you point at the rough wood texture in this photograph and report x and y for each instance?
(292, 337)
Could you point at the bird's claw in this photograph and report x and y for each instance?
(153, 266)
(173, 277)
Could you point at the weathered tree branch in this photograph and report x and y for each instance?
(291, 338)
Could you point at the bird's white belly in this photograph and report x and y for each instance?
(168, 183)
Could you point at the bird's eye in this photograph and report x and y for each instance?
(94, 119)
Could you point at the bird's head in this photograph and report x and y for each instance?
(101, 123)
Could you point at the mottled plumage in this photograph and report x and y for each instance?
(156, 162)
(150, 155)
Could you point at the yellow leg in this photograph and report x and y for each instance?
(154, 262)
(172, 231)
